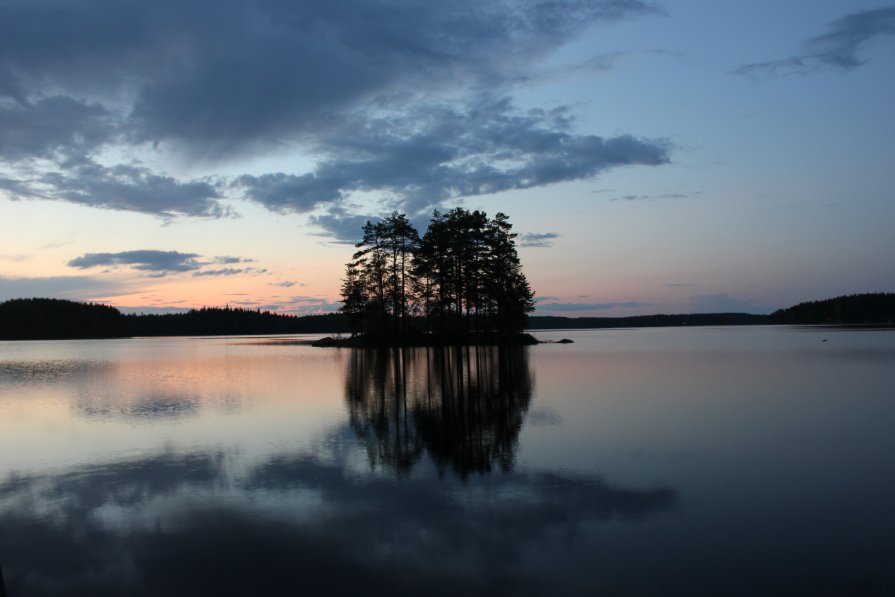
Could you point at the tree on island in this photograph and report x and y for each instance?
(462, 278)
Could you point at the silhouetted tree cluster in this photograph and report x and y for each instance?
(462, 276)
(856, 309)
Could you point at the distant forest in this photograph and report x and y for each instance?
(50, 319)
(853, 309)
(45, 319)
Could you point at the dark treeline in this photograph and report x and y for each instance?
(47, 319)
(854, 309)
(50, 319)
(461, 278)
(231, 321)
(542, 322)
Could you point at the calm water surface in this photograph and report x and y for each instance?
(704, 461)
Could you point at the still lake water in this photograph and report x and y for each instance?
(700, 461)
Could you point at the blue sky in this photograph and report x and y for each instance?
(654, 156)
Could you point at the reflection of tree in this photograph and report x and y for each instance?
(463, 406)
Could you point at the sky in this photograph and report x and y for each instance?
(654, 157)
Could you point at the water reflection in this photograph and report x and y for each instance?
(464, 407)
(188, 521)
(188, 524)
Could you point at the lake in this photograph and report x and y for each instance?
(691, 461)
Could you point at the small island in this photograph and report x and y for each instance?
(461, 282)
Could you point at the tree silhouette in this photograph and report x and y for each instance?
(462, 276)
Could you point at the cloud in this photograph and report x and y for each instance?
(162, 263)
(342, 226)
(721, 303)
(153, 310)
(227, 260)
(229, 271)
(679, 285)
(289, 193)
(308, 305)
(378, 96)
(562, 307)
(65, 287)
(129, 187)
(537, 239)
(15, 257)
(837, 48)
(287, 284)
(649, 197)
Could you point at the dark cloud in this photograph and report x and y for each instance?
(837, 48)
(229, 271)
(290, 193)
(227, 260)
(558, 307)
(225, 271)
(128, 187)
(650, 197)
(132, 188)
(50, 126)
(157, 262)
(445, 153)
(537, 239)
(341, 225)
(383, 96)
(221, 74)
(162, 263)
(287, 284)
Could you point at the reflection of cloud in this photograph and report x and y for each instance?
(186, 524)
(149, 408)
(836, 48)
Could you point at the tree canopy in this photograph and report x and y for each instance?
(461, 278)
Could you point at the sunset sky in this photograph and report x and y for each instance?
(654, 157)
